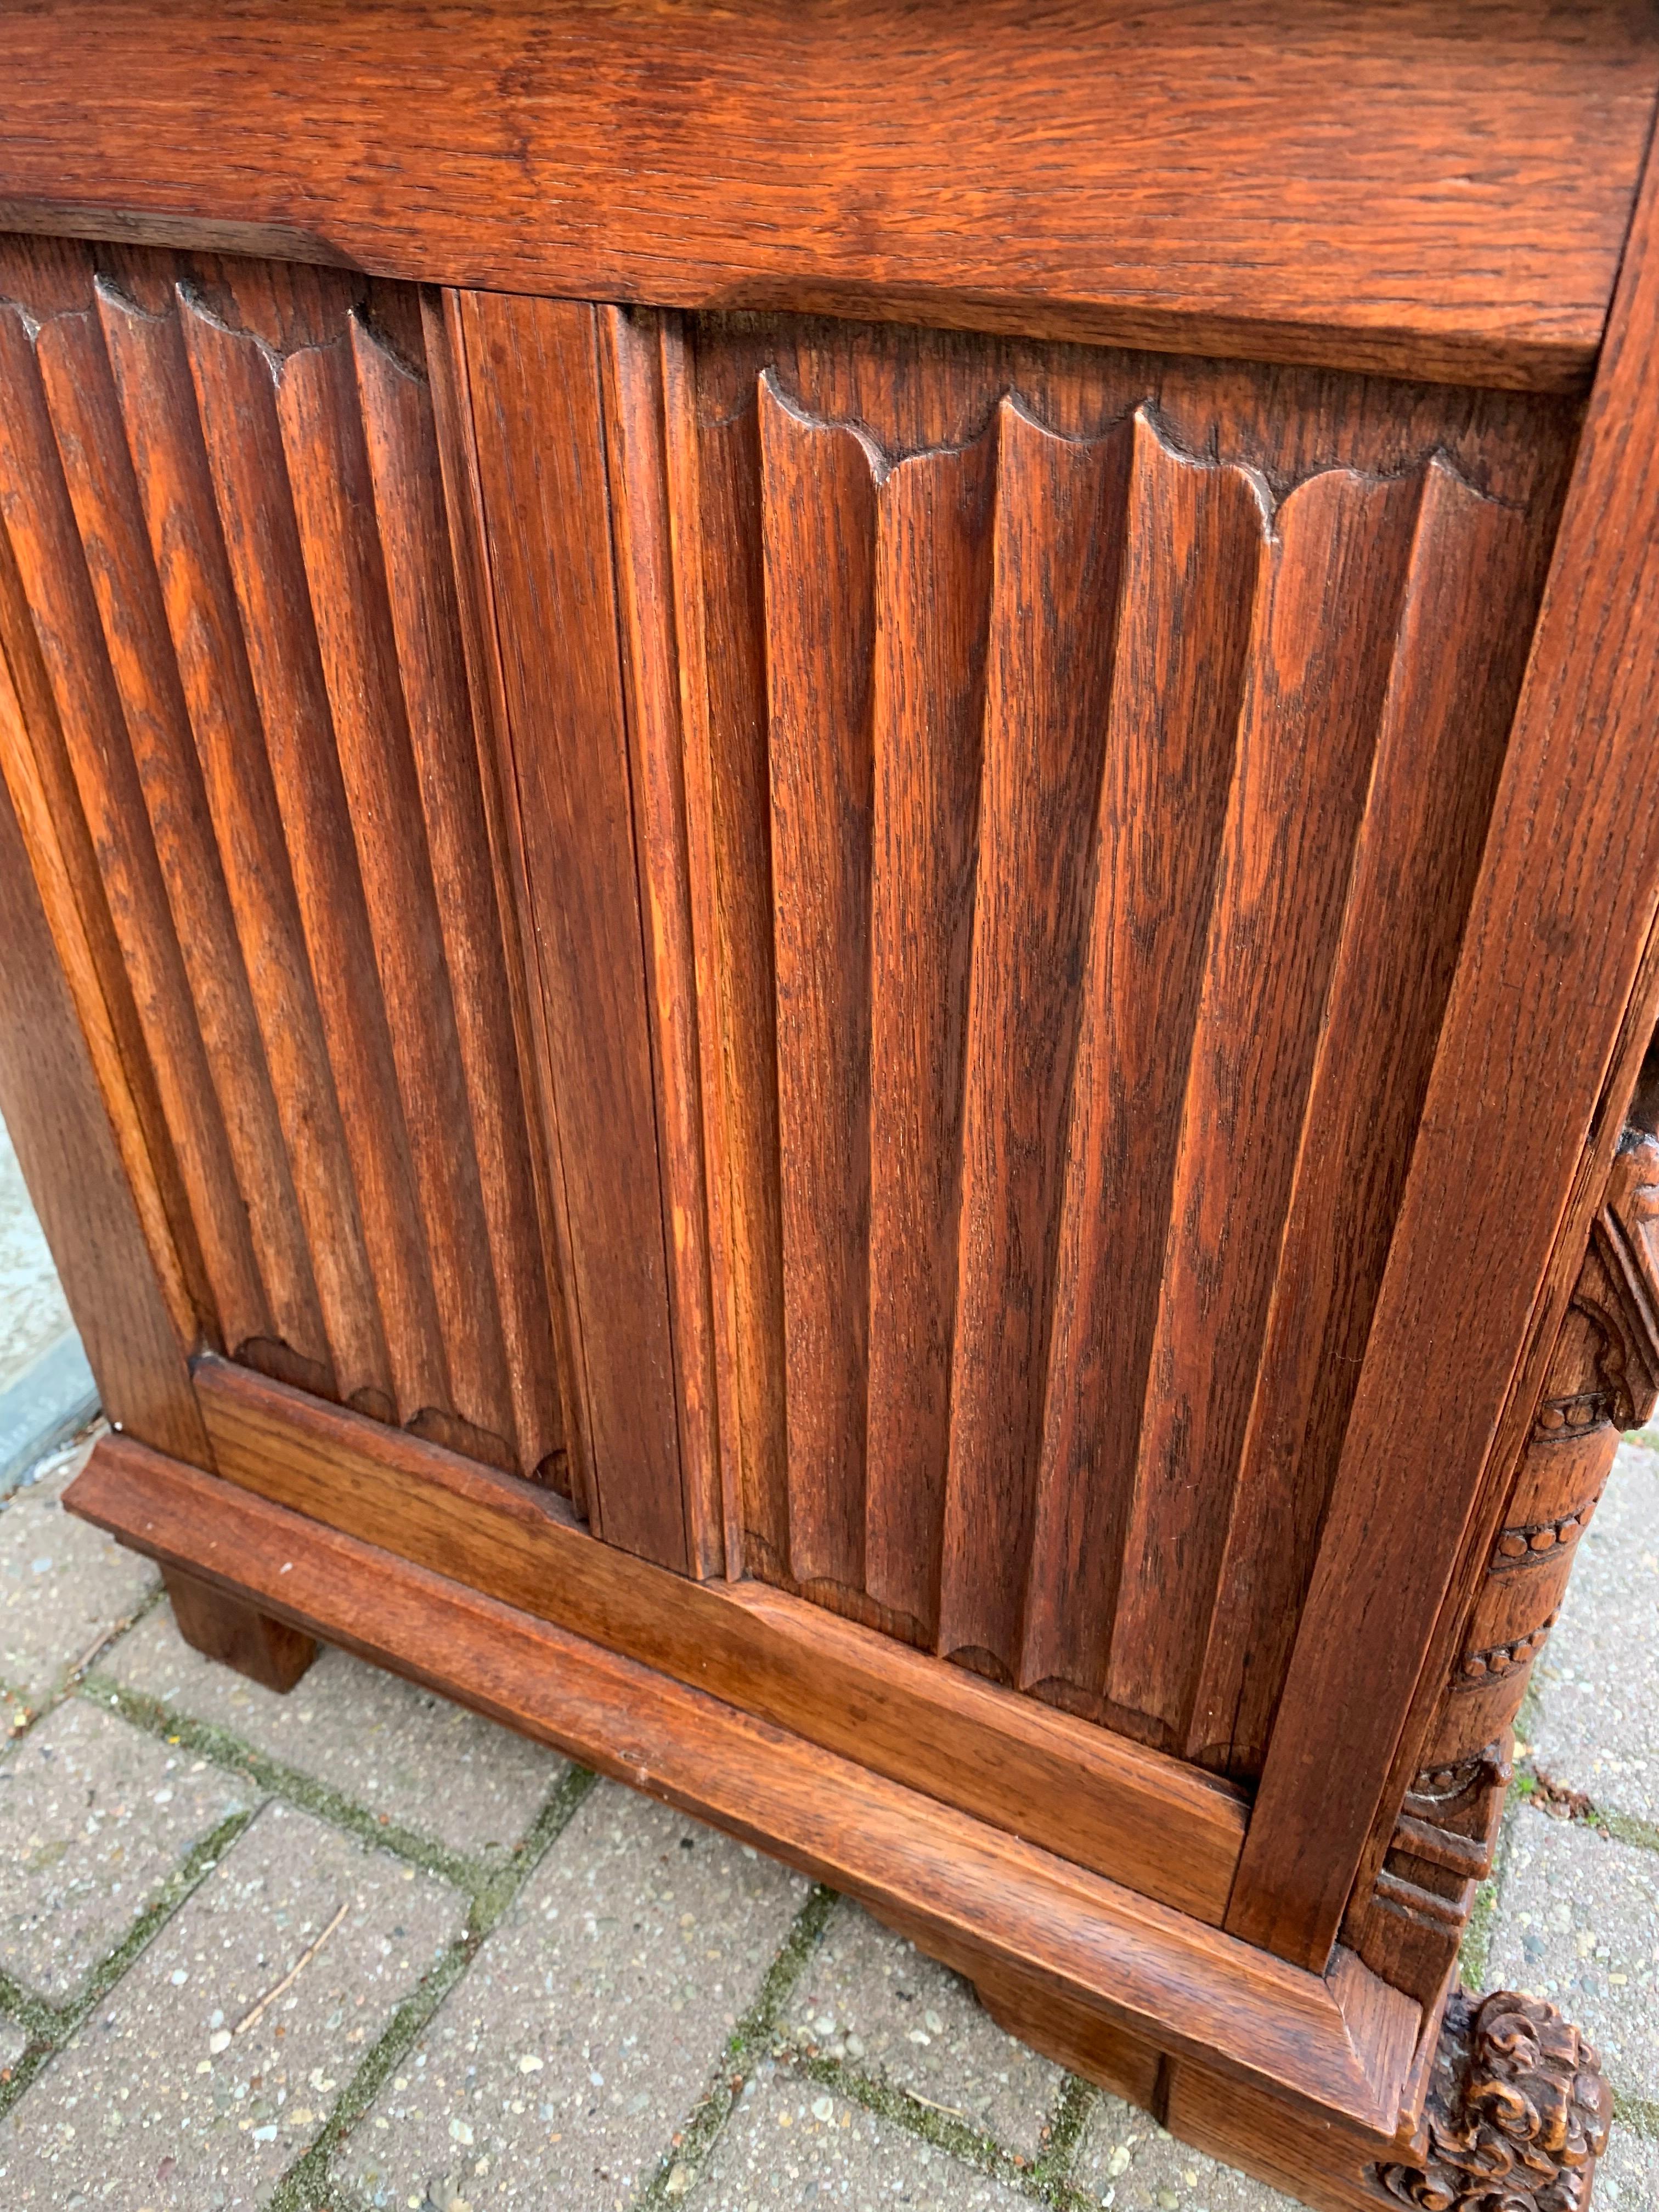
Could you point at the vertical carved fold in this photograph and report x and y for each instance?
(163, 435)
(819, 539)
(1308, 733)
(1055, 596)
(52, 567)
(323, 436)
(236, 396)
(1462, 644)
(933, 589)
(1195, 537)
(497, 1187)
(732, 588)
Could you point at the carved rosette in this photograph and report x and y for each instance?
(1518, 2113)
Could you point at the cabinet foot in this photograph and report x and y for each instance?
(237, 1634)
(1518, 2113)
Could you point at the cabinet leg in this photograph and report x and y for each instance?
(237, 1634)
(1518, 2113)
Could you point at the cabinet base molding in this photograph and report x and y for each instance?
(1051, 1942)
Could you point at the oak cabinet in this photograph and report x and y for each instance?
(873, 1039)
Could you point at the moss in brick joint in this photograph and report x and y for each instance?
(50, 2026)
(307, 2187)
(474, 1878)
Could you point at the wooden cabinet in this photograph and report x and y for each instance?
(829, 942)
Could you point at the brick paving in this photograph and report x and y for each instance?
(519, 1988)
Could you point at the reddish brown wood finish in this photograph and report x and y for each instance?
(1563, 906)
(224, 521)
(1053, 1260)
(1164, 1828)
(531, 372)
(267, 1650)
(1436, 191)
(976, 1895)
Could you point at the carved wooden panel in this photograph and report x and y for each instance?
(248, 773)
(1094, 752)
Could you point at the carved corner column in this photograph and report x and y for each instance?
(1517, 2112)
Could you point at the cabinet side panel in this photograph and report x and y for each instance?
(223, 516)
(56, 1116)
(1094, 817)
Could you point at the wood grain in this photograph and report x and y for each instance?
(1438, 192)
(934, 562)
(537, 421)
(1194, 541)
(632, 358)
(1308, 729)
(1146, 1821)
(1053, 623)
(225, 585)
(1562, 907)
(77, 1176)
(1134, 1102)
(974, 1894)
(818, 492)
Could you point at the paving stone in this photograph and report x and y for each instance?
(32, 1311)
(388, 1746)
(1579, 1923)
(590, 2022)
(875, 2000)
(1627, 2178)
(94, 1817)
(789, 2142)
(63, 1584)
(13, 2044)
(158, 2104)
(1124, 2160)
(1597, 1728)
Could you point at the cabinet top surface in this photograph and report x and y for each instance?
(1437, 191)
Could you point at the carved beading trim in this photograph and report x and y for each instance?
(1535, 1541)
(1576, 1416)
(1518, 2113)
(1475, 1667)
(1436, 1787)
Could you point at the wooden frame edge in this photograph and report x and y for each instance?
(1116, 1807)
(976, 1897)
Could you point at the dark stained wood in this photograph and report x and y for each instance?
(151, 371)
(1195, 540)
(1562, 907)
(56, 586)
(1052, 621)
(493, 1185)
(1190, 1024)
(632, 351)
(1441, 192)
(337, 1126)
(720, 606)
(1309, 727)
(1110, 1805)
(933, 556)
(237, 1635)
(56, 1118)
(534, 392)
(445, 357)
(1475, 574)
(974, 1894)
(818, 501)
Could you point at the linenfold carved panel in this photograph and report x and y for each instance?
(228, 606)
(1098, 758)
